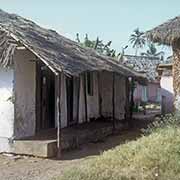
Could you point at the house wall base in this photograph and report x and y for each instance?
(6, 108)
(25, 93)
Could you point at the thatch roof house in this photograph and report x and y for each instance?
(167, 92)
(58, 84)
(168, 33)
(147, 66)
(144, 64)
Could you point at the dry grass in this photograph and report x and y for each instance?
(153, 157)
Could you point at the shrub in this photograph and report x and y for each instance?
(152, 157)
(169, 120)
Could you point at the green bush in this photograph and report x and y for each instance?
(169, 120)
(152, 157)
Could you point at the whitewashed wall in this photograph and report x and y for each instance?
(25, 93)
(120, 97)
(106, 80)
(6, 108)
(63, 101)
(168, 92)
(82, 116)
(93, 101)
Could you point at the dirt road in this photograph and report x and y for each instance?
(30, 168)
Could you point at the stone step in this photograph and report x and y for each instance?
(36, 148)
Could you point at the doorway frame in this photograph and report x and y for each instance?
(39, 66)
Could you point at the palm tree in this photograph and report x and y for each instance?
(98, 45)
(122, 53)
(137, 39)
(152, 51)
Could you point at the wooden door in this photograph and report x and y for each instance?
(72, 86)
(44, 103)
(69, 87)
(47, 100)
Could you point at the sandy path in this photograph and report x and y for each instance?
(30, 168)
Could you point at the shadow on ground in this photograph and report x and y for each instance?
(92, 149)
(96, 148)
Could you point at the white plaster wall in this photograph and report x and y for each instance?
(144, 96)
(76, 84)
(25, 93)
(93, 101)
(63, 101)
(167, 91)
(106, 80)
(81, 101)
(120, 97)
(167, 83)
(6, 108)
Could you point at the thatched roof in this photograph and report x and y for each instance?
(166, 33)
(143, 64)
(165, 69)
(166, 65)
(58, 52)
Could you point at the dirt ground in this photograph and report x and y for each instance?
(31, 168)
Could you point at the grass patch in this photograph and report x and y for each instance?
(152, 157)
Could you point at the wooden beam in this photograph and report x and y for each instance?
(127, 107)
(38, 95)
(36, 54)
(99, 94)
(57, 114)
(78, 99)
(21, 48)
(113, 102)
(131, 102)
(85, 97)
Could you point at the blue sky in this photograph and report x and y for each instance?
(110, 20)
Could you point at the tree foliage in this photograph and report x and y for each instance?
(137, 39)
(98, 45)
(152, 51)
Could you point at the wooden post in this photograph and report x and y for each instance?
(131, 102)
(99, 94)
(113, 102)
(85, 97)
(127, 106)
(38, 95)
(57, 114)
(78, 99)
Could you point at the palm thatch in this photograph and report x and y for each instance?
(55, 50)
(144, 64)
(166, 33)
(165, 69)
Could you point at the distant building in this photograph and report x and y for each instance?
(167, 91)
(147, 66)
(168, 33)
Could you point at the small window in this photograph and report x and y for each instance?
(90, 83)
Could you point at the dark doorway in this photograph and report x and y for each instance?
(69, 86)
(72, 86)
(45, 98)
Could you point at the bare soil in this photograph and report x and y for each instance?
(32, 168)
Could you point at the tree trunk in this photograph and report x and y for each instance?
(176, 76)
